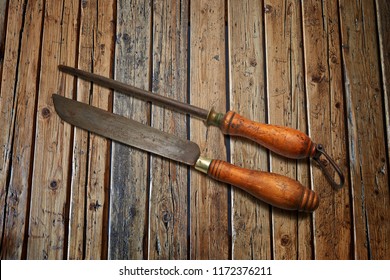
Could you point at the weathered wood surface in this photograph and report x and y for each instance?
(17, 201)
(251, 224)
(48, 215)
(168, 199)
(129, 167)
(326, 120)
(3, 16)
(285, 93)
(383, 10)
(209, 232)
(366, 130)
(90, 165)
(7, 120)
(320, 67)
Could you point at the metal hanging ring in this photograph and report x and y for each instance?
(320, 151)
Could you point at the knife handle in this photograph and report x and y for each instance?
(282, 140)
(277, 190)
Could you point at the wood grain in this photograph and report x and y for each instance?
(17, 204)
(99, 166)
(80, 152)
(49, 210)
(209, 205)
(90, 167)
(251, 227)
(317, 66)
(129, 171)
(285, 98)
(366, 135)
(7, 99)
(3, 14)
(168, 222)
(383, 20)
(326, 119)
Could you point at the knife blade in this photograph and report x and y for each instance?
(282, 140)
(277, 190)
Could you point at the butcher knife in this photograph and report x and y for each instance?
(277, 190)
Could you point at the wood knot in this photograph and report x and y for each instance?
(84, 3)
(53, 185)
(267, 9)
(133, 212)
(166, 218)
(126, 38)
(334, 59)
(94, 206)
(317, 78)
(253, 62)
(285, 240)
(14, 198)
(45, 113)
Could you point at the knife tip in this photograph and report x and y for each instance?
(60, 107)
(55, 98)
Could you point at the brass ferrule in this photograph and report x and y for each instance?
(202, 164)
(214, 118)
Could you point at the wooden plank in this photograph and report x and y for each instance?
(3, 16)
(90, 167)
(7, 98)
(80, 153)
(99, 155)
(286, 107)
(366, 135)
(129, 174)
(19, 184)
(209, 199)
(168, 195)
(251, 228)
(49, 206)
(383, 19)
(327, 126)
(299, 121)
(3, 25)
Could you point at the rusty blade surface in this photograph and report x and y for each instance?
(125, 130)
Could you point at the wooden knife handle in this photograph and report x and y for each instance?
(282, 140)
(277, 190)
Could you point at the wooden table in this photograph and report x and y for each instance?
(319, 66)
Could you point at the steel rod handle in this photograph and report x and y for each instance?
(282, 140)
